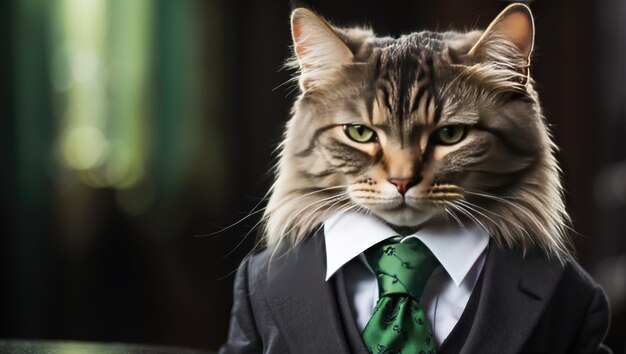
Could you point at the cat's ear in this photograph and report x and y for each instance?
(317, 47)
(509, 38)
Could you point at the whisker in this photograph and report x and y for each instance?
(233, 224)
(455, 217)
(264, 218)
(254, 212)
(300, 220)
(488, 195)
(323, 204)
(517, 226)
(471, 216)
(470, 207)
(473, 205)
(340, 210)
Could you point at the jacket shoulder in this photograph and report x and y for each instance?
(574, 275)
(577, 316)
(281, 270)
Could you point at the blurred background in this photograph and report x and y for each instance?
(131, 128)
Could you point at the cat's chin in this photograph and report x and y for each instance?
(405, 216)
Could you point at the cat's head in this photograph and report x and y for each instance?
(427, 125)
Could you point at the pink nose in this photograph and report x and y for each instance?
(403, 184)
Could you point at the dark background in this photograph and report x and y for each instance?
(116, 153)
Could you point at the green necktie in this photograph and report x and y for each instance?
(399, 323)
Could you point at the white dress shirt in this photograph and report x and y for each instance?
(461, 252)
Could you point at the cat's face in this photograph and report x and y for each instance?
(409, 129)
(429, 124)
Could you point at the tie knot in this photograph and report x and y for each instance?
(402, 268)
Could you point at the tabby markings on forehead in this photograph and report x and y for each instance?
(407, 89)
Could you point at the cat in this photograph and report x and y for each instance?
(429, 125)
(394, 136)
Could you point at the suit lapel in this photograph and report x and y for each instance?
(302, 303)
(515, 292)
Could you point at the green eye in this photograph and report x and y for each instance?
(451, 134)
(359, 133)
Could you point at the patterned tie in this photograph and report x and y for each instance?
(399, 323)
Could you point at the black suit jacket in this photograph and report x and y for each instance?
(282, 304)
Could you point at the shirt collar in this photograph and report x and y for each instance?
(349, 234)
